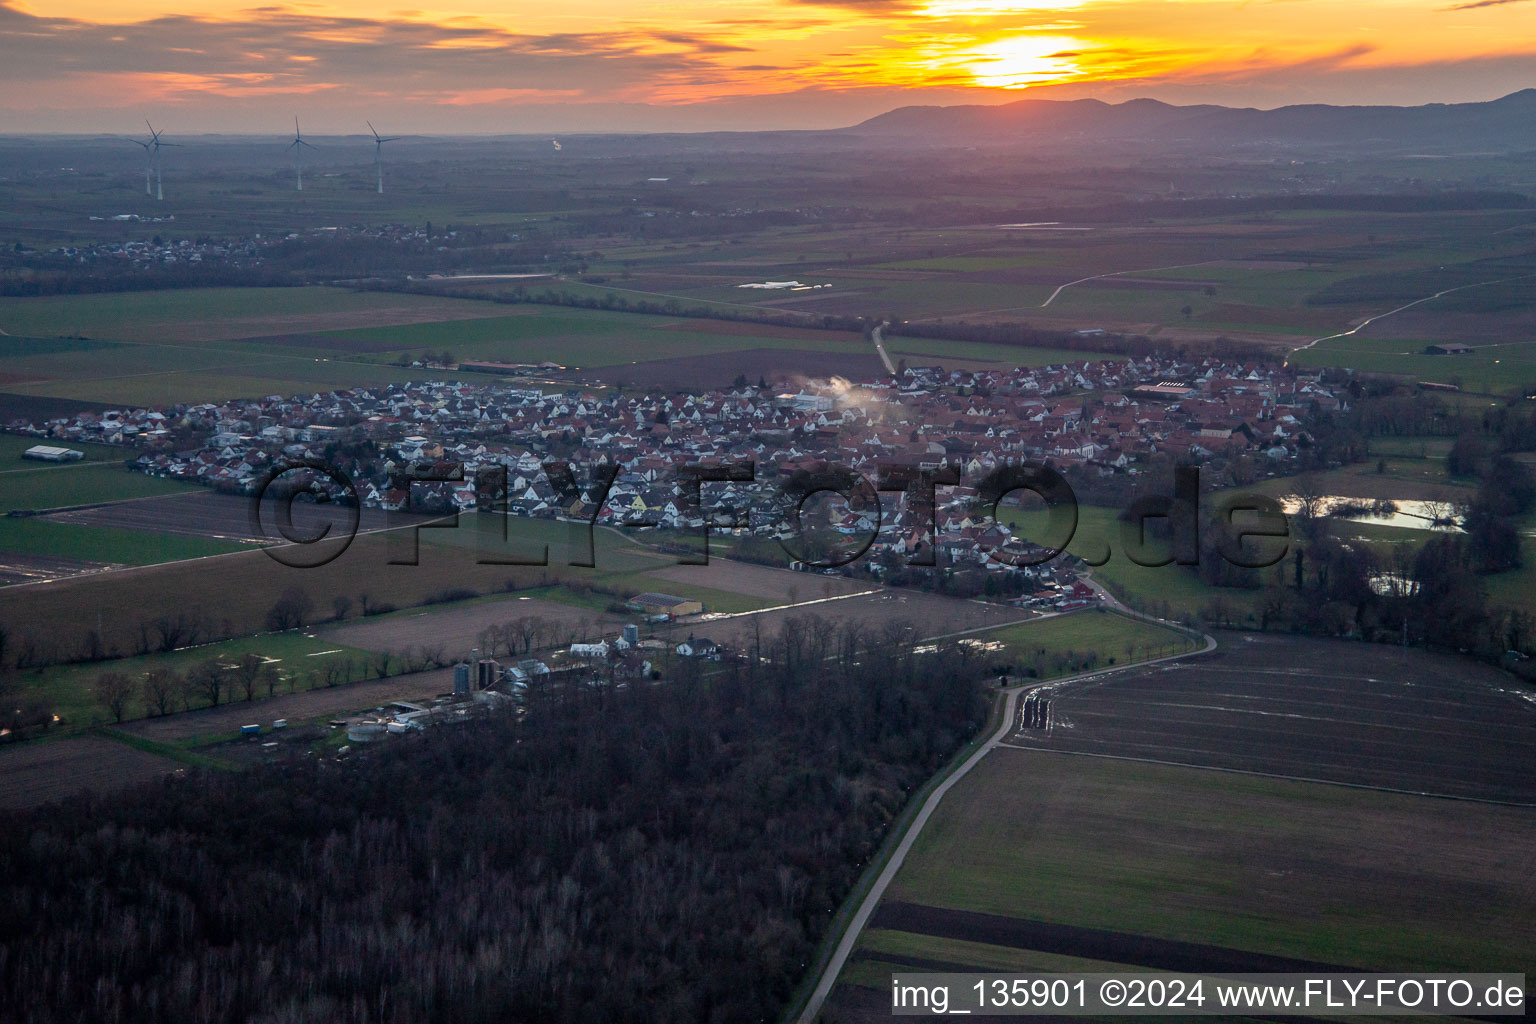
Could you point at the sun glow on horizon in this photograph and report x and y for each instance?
(95, 55)
(1019, 62)
(994, 8)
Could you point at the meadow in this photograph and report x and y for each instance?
(298, 658)
(1493, 370)
(38, 537)
(76, 483)
(198, 315)
(1233, 860)
(1167, 591)
(1093, 638)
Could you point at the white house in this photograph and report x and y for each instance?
(699, 647)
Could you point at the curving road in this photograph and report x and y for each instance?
(872, 899)
(880, 347)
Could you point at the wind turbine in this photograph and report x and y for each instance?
(152, 151)
(149, 166)
(378, 153)
(298, 146)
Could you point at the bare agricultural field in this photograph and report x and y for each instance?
(21, 567)
(835, 600)
(39, 773)
(457, 629)
(1141, 855)
(206, 513)
(780, 586)
(747, 329)
(932, 615)
(1332, 711)
(1235, 863)
(233, 593)
(37, 408)
(1507, 327)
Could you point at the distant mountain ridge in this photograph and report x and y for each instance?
(1503, 124)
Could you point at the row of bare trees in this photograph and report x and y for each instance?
(527, 633)
(162, 690)
(209, 682)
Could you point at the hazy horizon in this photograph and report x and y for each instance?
(209, 66)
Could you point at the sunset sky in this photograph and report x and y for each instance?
(584, 65)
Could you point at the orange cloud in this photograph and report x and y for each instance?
(477, 56)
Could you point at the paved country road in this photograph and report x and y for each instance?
(855, 927)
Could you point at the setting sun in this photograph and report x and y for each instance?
(1021, 61)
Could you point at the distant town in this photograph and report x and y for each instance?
(1102, 418)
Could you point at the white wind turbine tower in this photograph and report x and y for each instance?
(149, 166)
(378, 153)
(298, 145)
(152, 149)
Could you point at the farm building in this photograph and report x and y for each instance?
(1447, 348)
(699, 647)
(664, 604)
(50, 453)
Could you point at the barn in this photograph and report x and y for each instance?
(664, 604)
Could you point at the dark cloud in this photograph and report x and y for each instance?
(276, 48)
(1481, 3)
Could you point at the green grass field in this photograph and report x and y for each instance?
(76, 483)
(104, 544)
(1234, 860)
(299, 660)
(1167, 591)
(12, 445)
(1087, 639)
(1496, 370)
(198, 314)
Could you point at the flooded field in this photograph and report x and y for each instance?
(1410, 514)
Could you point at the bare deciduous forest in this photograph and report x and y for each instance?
(664, 852)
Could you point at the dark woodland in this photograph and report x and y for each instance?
(659, 852)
